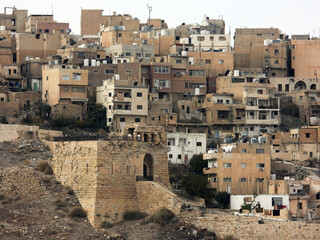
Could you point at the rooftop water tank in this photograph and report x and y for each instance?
(93, 62)
(184, 53)
(2, 28)
(86, 62)
(104, 62)
(197, 91)
(236, 73)
(98, 63)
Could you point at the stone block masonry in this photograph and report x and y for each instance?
(242, 227)
(105, 174)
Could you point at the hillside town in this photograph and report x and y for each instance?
(120, 112)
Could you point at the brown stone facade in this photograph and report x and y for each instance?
(105, 174)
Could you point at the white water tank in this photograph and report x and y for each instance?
(2, 28)
(93, 62)
(236, 73)
(266, 42)
(104, 62)
(273, 176)
(197, 91)
(86, 62)
(184, 53)
(98, 63)
(163, 32)
(56, 62)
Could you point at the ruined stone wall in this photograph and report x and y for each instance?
(11, 132)
(242, 227)
(75, 164)
(104, 174)
(153, 196)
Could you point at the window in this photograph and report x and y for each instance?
(178, 61)
(259, 150)
(260, 165)
(199, 144)
(276, 201)
(170, 156)
(96, 71)
(276, 51)
(307, 135)
(78, 89)
(40, 30)
(137, 120)
(259, 179)
(200, 38)
(109, 106)
(179, 156)
(211, 38)
(110, 94)
(148, 55)
(76, 76)
(66, 89)
(293, 46)
(301, 98)
(243, 165)
(81, 55)
(109, 71)
(244, 150)
(138, 55)
(161, 69)
(128, 71)
(65, 77)
(128, 54)
(227, 165)
(122, 119)
(46, 30)
(196, 73)
(139, 106)
(185, 85)
(161, 83)
(300, 205)
(311, 154)
(207, 61)
(139, 94)
(221, 61)
(243, 179)
(226, 179)
(223, 114)
(287, 87)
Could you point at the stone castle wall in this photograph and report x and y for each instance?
(105, 174)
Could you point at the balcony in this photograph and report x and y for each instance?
(212, 170)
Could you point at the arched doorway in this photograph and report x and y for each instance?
(148, 168)
(313, 86)
(300, 85)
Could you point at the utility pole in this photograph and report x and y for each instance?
(150, 9)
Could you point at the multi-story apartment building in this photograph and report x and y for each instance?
(182, 146)
(305, 58)
(125, 102)
(64, 88)
(7, 50)
(275, 57)
(14, 20)
(224, 115)
(135, 52)
(249, 46)
(242, 168)
(262, 107)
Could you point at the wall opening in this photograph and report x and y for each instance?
(148, 167)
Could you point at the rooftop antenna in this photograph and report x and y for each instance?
(52, 8)
(150, 9)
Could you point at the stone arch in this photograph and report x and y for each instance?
(300, 85)
(313, 86)
(148, 167)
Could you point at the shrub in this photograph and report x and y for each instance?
(4, 120)
(2, 197)
(133, 215)
(69, 190)
(106, 224)
(44, 167)
(60, 203)
(162, 216)
(77, 212)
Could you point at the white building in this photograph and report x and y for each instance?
(209, 42)
(182, 146)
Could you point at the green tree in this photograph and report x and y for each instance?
(197, 185)
(197, 164)
(223, 198)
